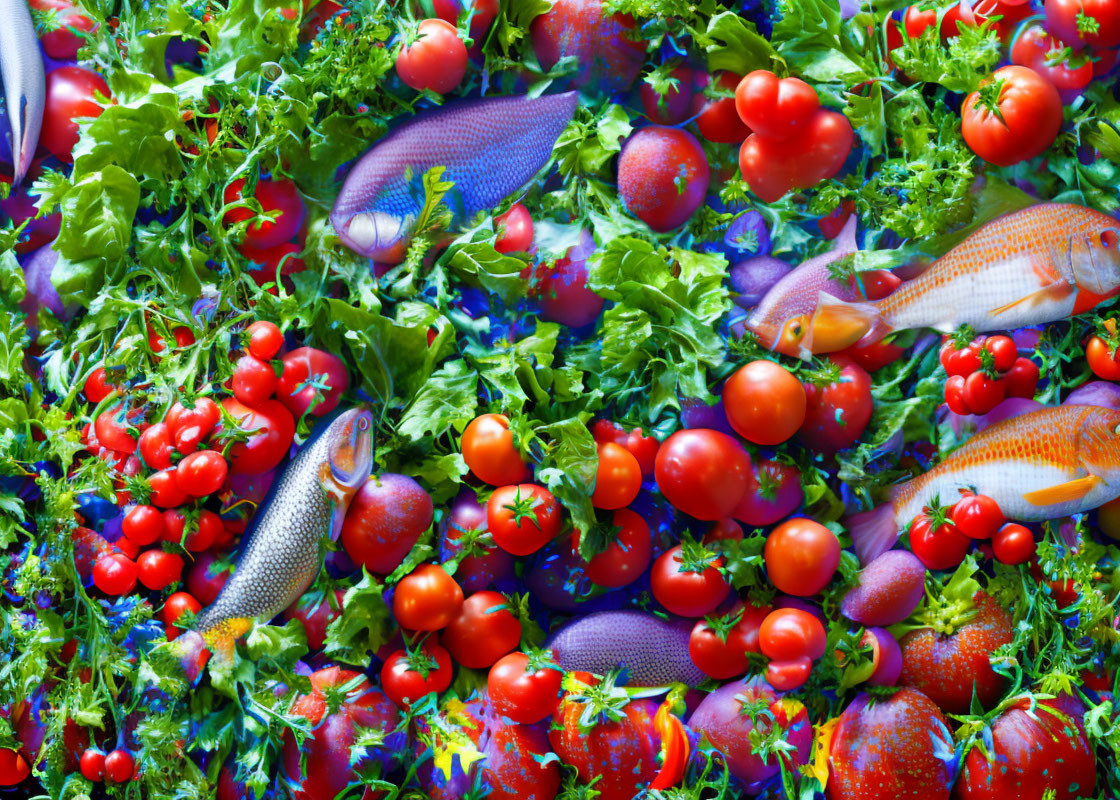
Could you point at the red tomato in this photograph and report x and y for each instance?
(1031, 114)
(724, 529)
(954, 395)
(174, 607)
(406, 677)
(644, 449)
(719, 646)
(617, 479)
(206, 579)
(312, 379)
(672, 107)
(522, 518)
(1013, 544)
(190, 425)
(182, 335)
(427, 599)
(384, 520)
(315, 612)
(142, 525)
(772, 166)
(113, 427)
(965, 361)
(436, 60)
(264, 339)
(158, 569)
(982, 393)
(114, 574)
(483, 13)
(1102, 361)
(490, 453)
(155, 446)
(662, 176)
(1003, 350)
(97, 386)
(1070, 21)
(524, 688)
(205, 530)
(484, 631)
(788, 634)
(254, 380)
(166, 492)
(63, 42)
(765, 404)
(774, 493)
(203, 473)
(773, 107)
(119, 766)
(92, 765)
(977, 516)
(72, 93)
(801, 556)
(563, 293)
(917, 20)
(627, 557)
(1033, 48)
(702, 472)
(939, 546)
(873, 356)
(719, 120)
(273, 430)
(515, 230)
(1022, 379)
(837, 412)
(785, 676)
(282, 212)
(689, 583)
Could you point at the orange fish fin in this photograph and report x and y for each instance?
(1063, 492)
(837, 324)
(1059, 290)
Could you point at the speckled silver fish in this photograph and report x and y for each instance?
(284, 546)
(490, 148)
(25, 87)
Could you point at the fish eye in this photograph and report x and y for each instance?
(363, 424)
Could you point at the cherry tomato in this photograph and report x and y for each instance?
(982, 393)
(644, 449)
(603, 430)
(515, 230)
(254, 380)
(916, 20)
(938, 547)
(282, 212)
(977, 516)
(114, 574)
(63, 42)
(97, 386)
(484, 631)
(72, 93)
(672, 107)
(203, 473)
(272, 430)
(490, 453)
(801, 556)
(1102, 361)
(119, 766)
(92, 764)
(724, 529)
(406, 677)
(627, 557)
(772, 166)
(142, 525)
(1030, 115)
(113, 427)
(427, 599)
(1064, 20)
(663, 176)
(155, 446)
(617, 479)
(1003, 352)
(719, 646)
(965, 361)
(525, 690)
(563, 293)
(483, 13)
(689, 583)
(838, 411)
(775, 107)
(264, 339)
(954, 395)
(522, 518)
(1013, 544)
(1034, 48)
(312, 379)
(174, 607)
(765, 404)
(206, 579)
(436, 60)
(166, 492)
(158, 569)
(788, 675)
(182, 335)
(702, 472)
(189, 425)
(719, 120)
(790, 633)
(1022, 378)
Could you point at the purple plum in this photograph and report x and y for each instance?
(889, 589)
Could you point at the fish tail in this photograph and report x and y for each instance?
(873, 532)
(838, 324)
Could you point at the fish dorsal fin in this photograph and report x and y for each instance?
(1063, 492)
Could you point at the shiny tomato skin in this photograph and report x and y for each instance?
(702, 472)
(685, 592)
(205, 579)
(775, 107)
(92, 766)
(1102, 361)
(774, 166)
(1022, 378)
(1032, 116)
(203, 473)
(1013, 544)
(765, 403)
(617, 479)
(523, 694)
(302, 364)
(142, 524)
(115, 574)
(564, 296)
(837, 413)
(490, 453)
(71, 94)
(983, 393)
(938, 547)
(384, 520)
(484, 631)
(155, 446)
(174, 607)
(515, 230)
(254, 380)
(723, 658)
(788, 634)
(264, 450)
(719, 120)
(1062, 21)
(263, 339)
(801, 556)
(916, 20)
(157, 569)
(436, 61)
(644, 449)
(97, 386)
(662, 176)
(977, 516)
(63, 43)
(276, 195)
(166, 492)
(539, 522)
(626, 558)
(1031, 49)
(403, 685)
(112, 427)
(427, 599)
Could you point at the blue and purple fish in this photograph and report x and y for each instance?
(489, 148)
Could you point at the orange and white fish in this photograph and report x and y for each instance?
(1042, 465)
(1041, 264)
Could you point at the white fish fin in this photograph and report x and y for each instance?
(1063, 492)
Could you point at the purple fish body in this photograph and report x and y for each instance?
(652, 650)
(489, 148)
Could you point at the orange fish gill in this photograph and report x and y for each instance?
(1043, 465)
(1041, 264)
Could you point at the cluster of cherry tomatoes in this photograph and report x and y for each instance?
(984, 372)
(942, 537)
(117, 766)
